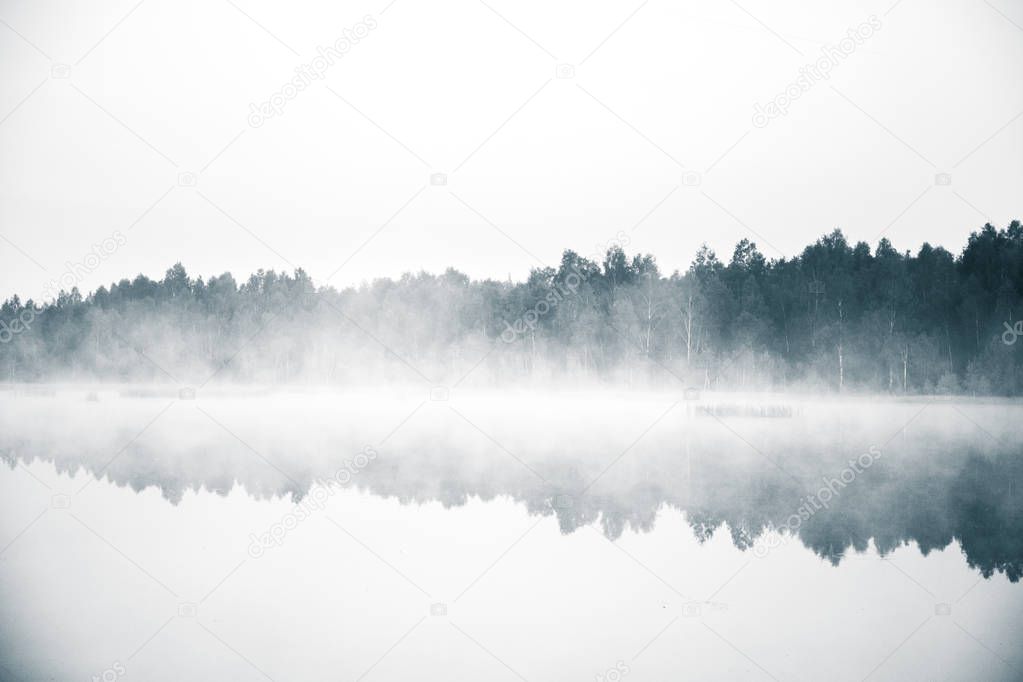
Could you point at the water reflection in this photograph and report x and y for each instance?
(762, 481)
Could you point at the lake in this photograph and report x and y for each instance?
(370, 534)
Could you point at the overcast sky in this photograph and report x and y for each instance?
(111, 110)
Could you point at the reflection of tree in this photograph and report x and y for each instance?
(931, 497)
(990, 523)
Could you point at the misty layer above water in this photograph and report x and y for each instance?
(836, 474)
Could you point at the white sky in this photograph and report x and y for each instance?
(536, 164)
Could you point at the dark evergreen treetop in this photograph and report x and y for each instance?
(837, 317)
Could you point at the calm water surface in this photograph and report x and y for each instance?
(318, 537)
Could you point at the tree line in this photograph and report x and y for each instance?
(838, 317)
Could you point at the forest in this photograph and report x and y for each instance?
(838, 317)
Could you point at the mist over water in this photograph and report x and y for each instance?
(311, 528)
(758, 428)
(839, 474)
(511, 341)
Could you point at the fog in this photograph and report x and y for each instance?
(839, 474)
(840, 318)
